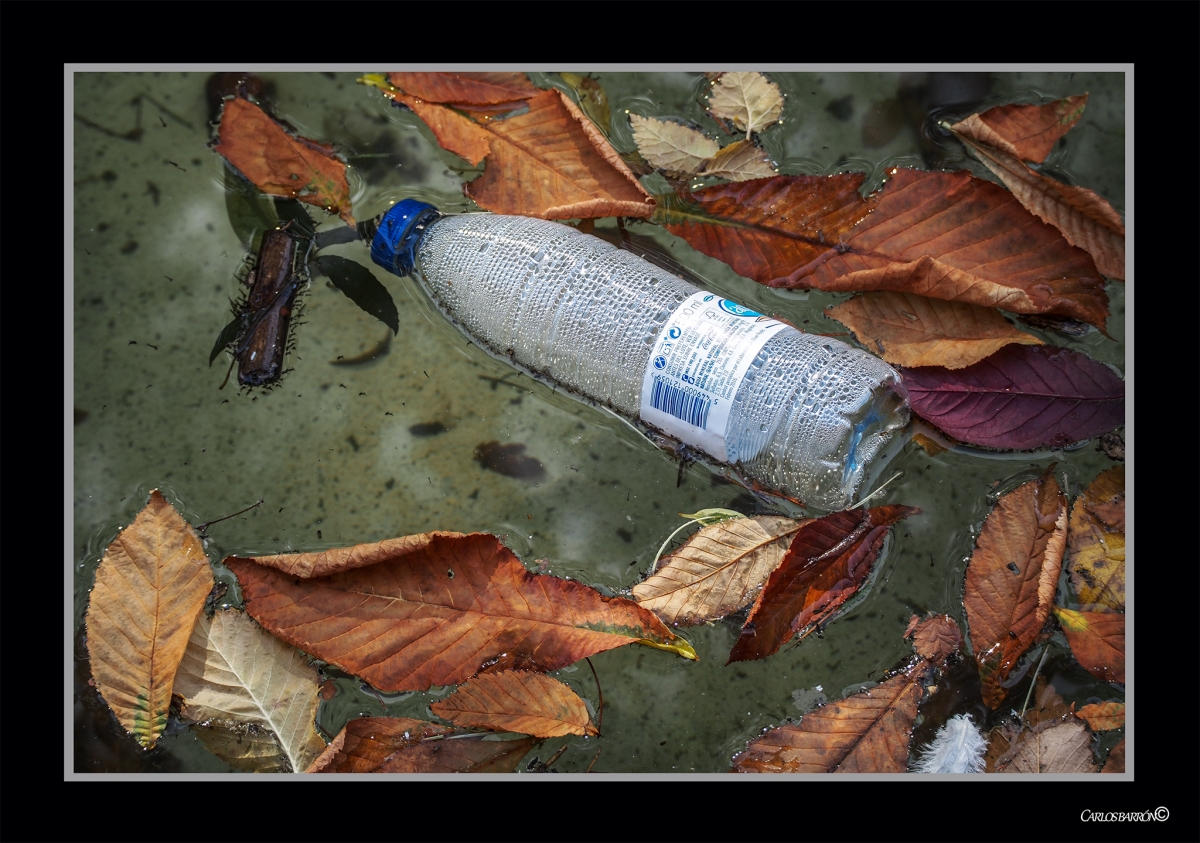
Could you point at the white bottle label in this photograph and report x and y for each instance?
(697, 365)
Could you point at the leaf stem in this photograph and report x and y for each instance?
(1033, 682)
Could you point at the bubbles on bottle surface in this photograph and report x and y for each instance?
(809, 414)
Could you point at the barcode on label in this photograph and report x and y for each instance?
(681, 404)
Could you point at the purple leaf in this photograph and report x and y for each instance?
(1022, 397)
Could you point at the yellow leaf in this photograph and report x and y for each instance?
(1096, 546)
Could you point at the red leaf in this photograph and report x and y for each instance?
(828, 561)
(1021, 397)
(1028, 132)
(466, 88)
(942, 235)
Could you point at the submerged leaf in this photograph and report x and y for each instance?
(1027, 132)
(828, 561)
(434, 609)
(676, 149)
(1021, 397)
(912, 330)
(150, 587)
(1097, 641)
(1096, 542)
(750, 100)
(237, 674)
(517, 701)
(1012, 577)
(718, 570)
(487, 88)
(280, 164)
(404, 745)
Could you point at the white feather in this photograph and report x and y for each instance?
(958, 747)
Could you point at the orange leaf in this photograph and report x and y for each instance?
(1027, 132)
(1096, 541)
(434, 609)
(150, 588)
(280, 164)
(518, 701)
(1103, 716)
(454, 132)
(866, 733)
(553, 163)
(828, 561)
(404, 745)
(1097, 641)
(943, 235)
(911, 330)
(466, 88)
(1012, 577)
(1085, 219)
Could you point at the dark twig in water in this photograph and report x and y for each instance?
(594, 757)
(600, 706)
(208, 524)
(378, 350)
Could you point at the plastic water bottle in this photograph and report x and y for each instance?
(799, 414)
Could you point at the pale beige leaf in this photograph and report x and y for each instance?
(243, 746)
(150, 586)
(235, 670)
(750, 100)
(911, 330)
(718, 570)
(740, 161)
(1061, 748)
(678, 150)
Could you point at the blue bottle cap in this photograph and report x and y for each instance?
(397, 235)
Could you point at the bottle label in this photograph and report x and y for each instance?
(697, 365)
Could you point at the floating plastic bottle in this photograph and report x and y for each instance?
(800, 414)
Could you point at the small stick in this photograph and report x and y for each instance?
(1033, 682)
(550, 761)
(593, 764)
(208, 524)
(600, 707)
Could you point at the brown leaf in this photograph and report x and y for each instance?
(280, 164)
(942, 235)
(1051, 748)
(1027, 132)
(466, 88)
(553, 163)
(718, 570)
(244, 746)
(592, 99)
(517, 701)
(866, 733)
(1102, 717)
(936, 638)
(749, 99)
(1085, 219)
(828, 561)
(1012, 577)
(1096, 542)
(1116, 759)
(403, 745)
(911, 330)
(1097, 641)
(150, 588)
(671, 147)
(433, 609)
(740, 161)
(460, 135)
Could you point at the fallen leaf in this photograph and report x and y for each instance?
(433, 609)
(1097, 641)
(912, 330)
(866, 733)
(236, 673)
(281, 164)
(1102, 717)
(489, 88)
(750, 100)
(1021, 397)
(1046, 708)
(553, 163)
(1096, 542)
(454, 132)
(1027, 132)
(1012, 577)
(1116, 759)
(828, 561)
(936, 638)
(740, 161)
(592, 99)
(718, 570)
(517, 701)
(1060, 748)
(403, 745)
(150, 587)
(676, 149)
(1085, 219)
(942, 235)
(244, 746)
